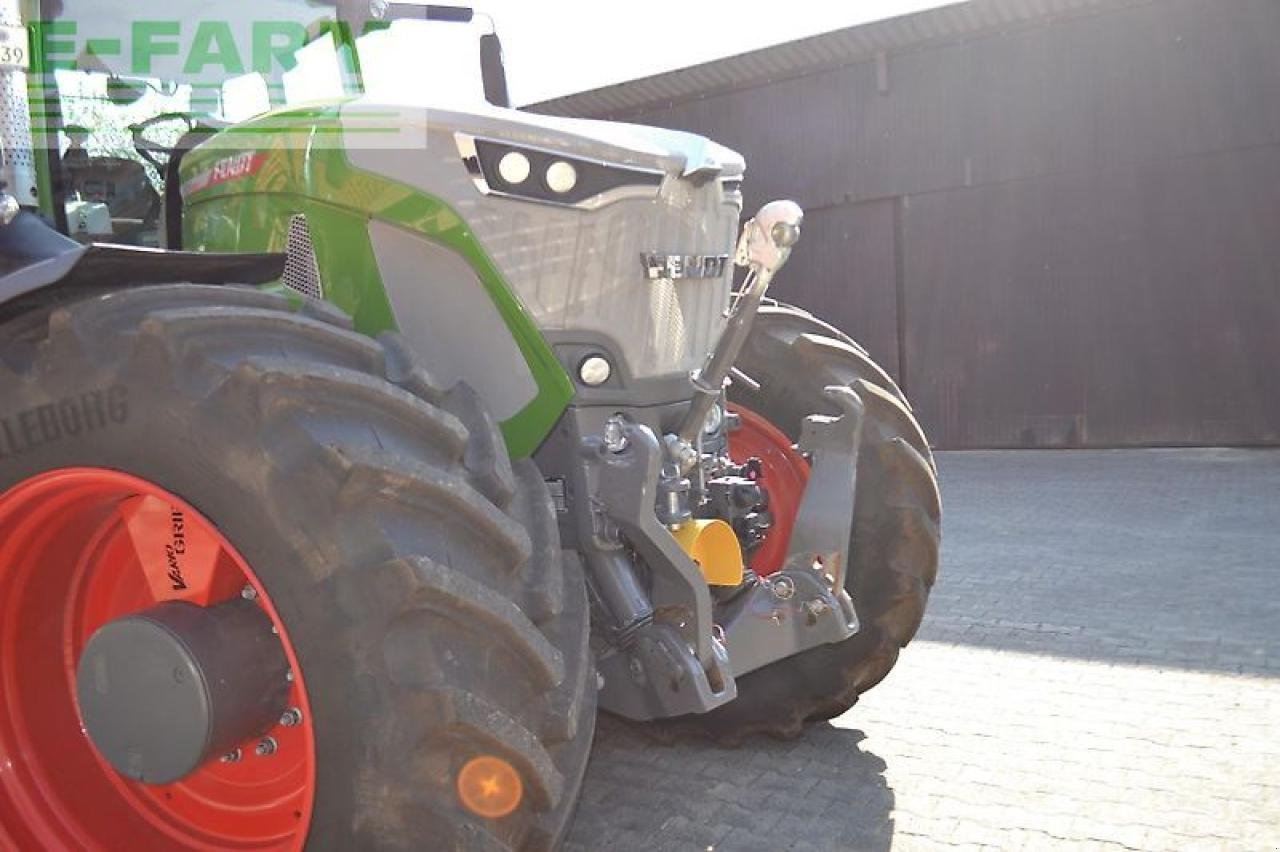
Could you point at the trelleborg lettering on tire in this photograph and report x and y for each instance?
(69, 417)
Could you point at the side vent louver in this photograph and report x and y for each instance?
(301, 273)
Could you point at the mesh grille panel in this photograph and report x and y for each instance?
(301, 272)
(17, 163)
(15, 124)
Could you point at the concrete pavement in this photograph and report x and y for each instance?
(1100, 668)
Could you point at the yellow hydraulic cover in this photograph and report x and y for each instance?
(714, 546)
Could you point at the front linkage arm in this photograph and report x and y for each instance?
(765, 245)
(665, 661)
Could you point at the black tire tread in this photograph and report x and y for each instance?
(788, 322)
(897, 525)
(432, 597)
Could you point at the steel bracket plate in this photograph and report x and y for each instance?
(805, 604)
(669, 664)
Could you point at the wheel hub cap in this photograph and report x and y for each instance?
(164, 690)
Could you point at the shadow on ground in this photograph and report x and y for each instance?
(823, 791)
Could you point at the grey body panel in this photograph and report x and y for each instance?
(449, 320)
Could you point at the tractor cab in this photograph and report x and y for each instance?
(112, 119)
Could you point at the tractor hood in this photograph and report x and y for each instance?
(609, 237)
(672, 151)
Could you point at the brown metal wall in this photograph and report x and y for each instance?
(1069, 230)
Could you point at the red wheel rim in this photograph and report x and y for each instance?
(785, 474)
(75, 553)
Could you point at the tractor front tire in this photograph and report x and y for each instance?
(413, 573)
(893, 556)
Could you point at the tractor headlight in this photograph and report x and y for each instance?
(562, 177)
(533, 174)
(514, 168)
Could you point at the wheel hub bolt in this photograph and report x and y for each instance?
(249, 593)
(267, 746)
(291, 717)
(232, 756)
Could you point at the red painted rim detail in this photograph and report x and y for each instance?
(785, 474)
(72, 545)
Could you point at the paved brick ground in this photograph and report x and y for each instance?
(1100, 668)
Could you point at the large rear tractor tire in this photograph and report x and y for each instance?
(893, 557)
(187, 472)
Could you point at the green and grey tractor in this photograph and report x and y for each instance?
(357, 445)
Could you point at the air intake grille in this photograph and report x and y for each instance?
(301, 272)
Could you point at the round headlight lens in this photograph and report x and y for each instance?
(514, 167)
(595, 370)
(561, 177)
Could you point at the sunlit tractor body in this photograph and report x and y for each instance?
(548, 451)
(572, 309)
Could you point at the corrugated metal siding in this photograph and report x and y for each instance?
(847, 272)
(1156, 81)
(1131, 306)
(1090, 210)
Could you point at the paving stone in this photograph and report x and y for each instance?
(1099, 669)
